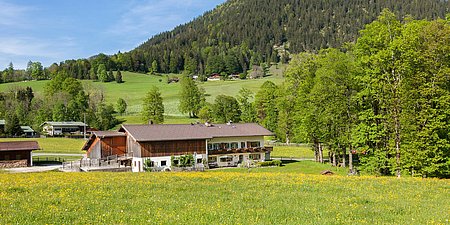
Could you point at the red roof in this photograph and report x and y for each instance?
(19, 146)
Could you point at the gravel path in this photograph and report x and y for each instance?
(33, 169)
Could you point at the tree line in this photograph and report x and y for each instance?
(64, 99)
(384, 99)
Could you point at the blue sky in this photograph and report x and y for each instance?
(55, 30)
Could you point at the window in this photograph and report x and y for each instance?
(164, 163)
(176, 162)
(210, 147)
(253, 144)
(242, 144)
(216, 146)
(199, 160)
(226, 159)
(234, 145)
(225, 145)
(212, 159)
(255, 156)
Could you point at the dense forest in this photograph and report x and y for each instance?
(238, 35)
(385, 100)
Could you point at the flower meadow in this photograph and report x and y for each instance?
(220, 198)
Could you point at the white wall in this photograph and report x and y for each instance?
(138, 163)
(95, 153)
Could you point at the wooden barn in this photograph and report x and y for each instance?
(219, 144)
(102, 144)
(17, 153)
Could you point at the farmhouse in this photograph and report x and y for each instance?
(213, 77)
(218, 145)
(17, 153)
(62, 128)
(28, 131)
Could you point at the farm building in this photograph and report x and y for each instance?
(63, 128)
(17, 153)
(28, 131)
(214, 77)
(219, 145)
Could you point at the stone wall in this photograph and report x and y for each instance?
(13, 163)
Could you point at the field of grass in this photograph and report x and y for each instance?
(136, 85)
(303, 151)
(223, 197)
(303, 167)
(54, 145)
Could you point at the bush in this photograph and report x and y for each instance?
(270, 163)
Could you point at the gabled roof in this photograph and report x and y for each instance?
(27, 129)
(66, 124)
(170, 132)
(19, 145)
(101, 134)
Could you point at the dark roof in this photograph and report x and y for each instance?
(103, 134)
(168, 132)
(19, 146)
(65, 124)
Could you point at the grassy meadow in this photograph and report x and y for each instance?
(223, 197)
(54, 145)
(136, 85)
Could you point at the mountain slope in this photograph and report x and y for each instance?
(238, 30)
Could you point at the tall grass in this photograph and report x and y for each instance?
(219, 198)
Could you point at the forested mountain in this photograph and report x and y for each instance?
(228, 37)
(241, 34)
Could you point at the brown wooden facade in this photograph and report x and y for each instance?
(16, 155)
(108, 146)
(172, 148)
(113, 146)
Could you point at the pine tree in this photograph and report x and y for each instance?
(119, 77)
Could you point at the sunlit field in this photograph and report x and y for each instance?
(220, 198)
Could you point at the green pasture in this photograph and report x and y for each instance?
(136, 85)
(223, 197)
(299, 152)
(54, 145)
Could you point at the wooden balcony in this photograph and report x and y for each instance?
(240, 150)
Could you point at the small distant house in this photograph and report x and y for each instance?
(219, 145)
(256, 72)
(173, 80)
(28, 131)
(214, 77)
(63, 128)
(17, 153)
(234, 77)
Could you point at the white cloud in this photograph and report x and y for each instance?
(21, 49)
(146, 18)
(12, 14)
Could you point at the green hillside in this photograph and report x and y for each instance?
(136, 85)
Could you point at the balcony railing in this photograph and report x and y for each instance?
(240, 150)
